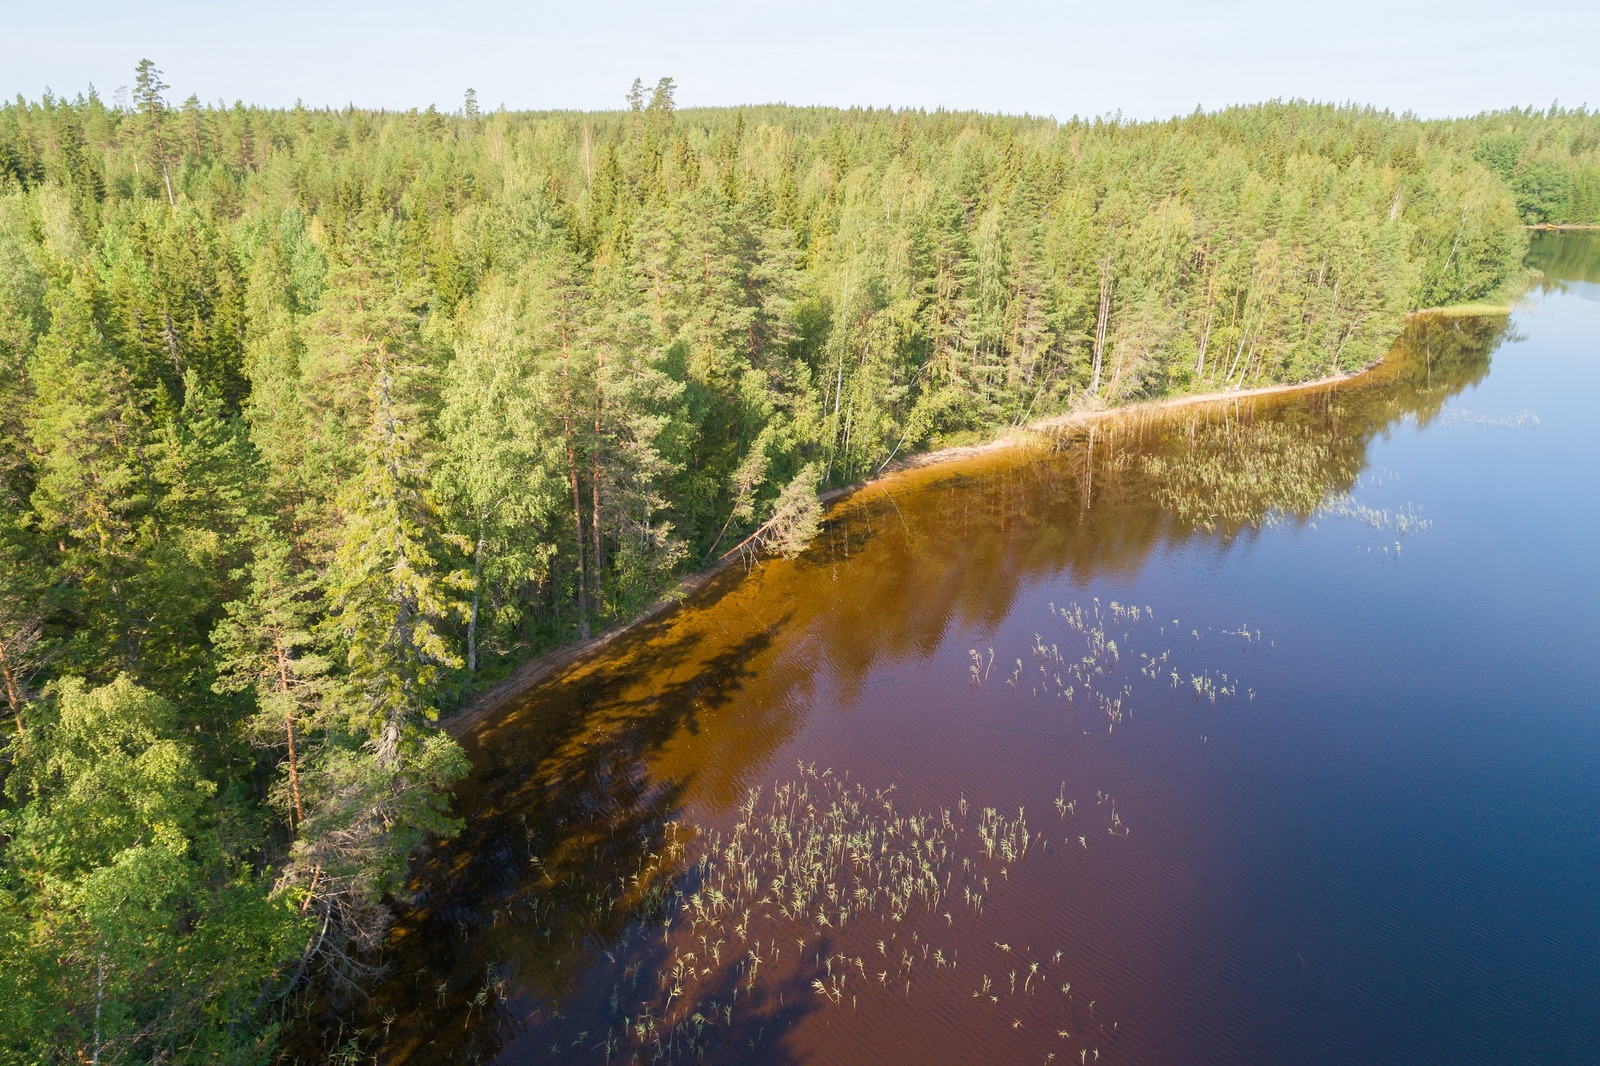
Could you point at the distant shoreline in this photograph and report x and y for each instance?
(492, 699)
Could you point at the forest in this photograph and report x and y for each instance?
(314, 422)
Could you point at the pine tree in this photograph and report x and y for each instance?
(24, 595)
(22, 319)
(147, 91)
(265, 646)
(95, 483)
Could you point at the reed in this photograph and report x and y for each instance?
(822, 886)
(1463, 417)
(1084, 668)
(1251, 474)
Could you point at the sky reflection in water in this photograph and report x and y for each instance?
(1382, 848)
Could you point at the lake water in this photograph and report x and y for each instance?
(1334, 796)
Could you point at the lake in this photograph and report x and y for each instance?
(1259, 732)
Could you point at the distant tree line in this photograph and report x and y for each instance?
(312, 420)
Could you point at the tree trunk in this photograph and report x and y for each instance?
(1244, 331)
(477, 595)
(838, 390)
(598, 555)
(294, 770)
(99, 1000)
(389, 744)
(1211, 310)
(169, 334)
(8, 671)
(577, 520)
(572, 471)
(1100, 324)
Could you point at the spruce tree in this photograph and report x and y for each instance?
(392, 582)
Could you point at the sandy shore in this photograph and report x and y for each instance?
(492, 699)
(1057, 423)
(486, 703)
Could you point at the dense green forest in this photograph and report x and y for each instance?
(310, 421)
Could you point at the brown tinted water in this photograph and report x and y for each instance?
(1360, 823)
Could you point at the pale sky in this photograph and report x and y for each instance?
(1148, 58)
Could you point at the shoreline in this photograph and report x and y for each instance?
(490, 700)
(1017, 436)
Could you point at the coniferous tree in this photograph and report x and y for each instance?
(497, 472)
(391, 588)
(311, 421)
(147, 91)
(265, 646)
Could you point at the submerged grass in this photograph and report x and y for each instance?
(822, 896)
(1261, 475)
(1085, 668)
(1461, 416)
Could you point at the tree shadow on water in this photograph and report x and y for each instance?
(570, 848)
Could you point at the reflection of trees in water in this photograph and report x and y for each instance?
(511, 917)
(1239, 472)
(572, 790)
(954, 547)
(1437, 357)
(1565, 257)
(1233, 467)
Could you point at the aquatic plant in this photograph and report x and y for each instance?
(1235, 473)
(1262, 474)
(822, 888)
(1083, 669)
(1461, 416)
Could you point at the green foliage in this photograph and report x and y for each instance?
(124, 911)
(311, 419)
(1544, 189)
(495, 475)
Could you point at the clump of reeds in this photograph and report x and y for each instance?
(1086, 668)
(1262, 474)
(1404, 520)
(821, 883)
(1243, 473)
(1461, 416)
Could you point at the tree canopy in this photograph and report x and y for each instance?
(312, 420)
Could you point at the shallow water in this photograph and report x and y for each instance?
(1381, 845)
